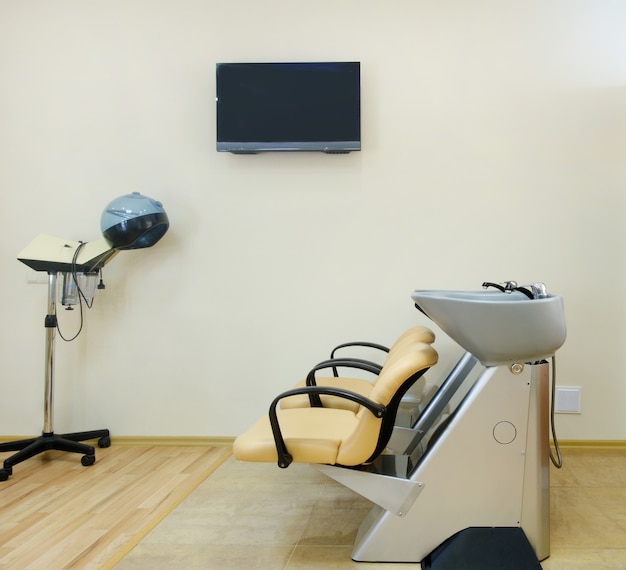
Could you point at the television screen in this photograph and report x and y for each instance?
(288, 107)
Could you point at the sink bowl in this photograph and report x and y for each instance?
(497, 328)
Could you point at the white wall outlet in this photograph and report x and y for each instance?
(567, 400)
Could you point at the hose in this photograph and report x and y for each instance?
(558, 461)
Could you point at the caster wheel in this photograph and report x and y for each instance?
(5, 474)
(88, 460)
(104, 441)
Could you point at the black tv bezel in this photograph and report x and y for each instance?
(255, 147)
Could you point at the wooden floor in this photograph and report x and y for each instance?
(56, 514)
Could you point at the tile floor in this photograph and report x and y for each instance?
(248, 515)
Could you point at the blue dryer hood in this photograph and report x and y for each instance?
(134, 221)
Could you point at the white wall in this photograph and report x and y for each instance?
(493, 149)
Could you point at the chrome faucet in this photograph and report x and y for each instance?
(534, 291)
(505, 287)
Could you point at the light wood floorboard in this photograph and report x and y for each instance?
(56, 514)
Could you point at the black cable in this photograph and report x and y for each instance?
(524, 291)
(81, 295)
(558, 462)
(80, 328)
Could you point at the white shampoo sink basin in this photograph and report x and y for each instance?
(496, 327)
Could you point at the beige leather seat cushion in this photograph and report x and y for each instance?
(330, 426)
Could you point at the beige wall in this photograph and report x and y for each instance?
(493, 149)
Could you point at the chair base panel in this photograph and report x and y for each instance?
(480, 548)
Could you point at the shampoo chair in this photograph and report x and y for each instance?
(336, 435)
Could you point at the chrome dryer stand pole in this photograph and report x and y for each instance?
(27, 448)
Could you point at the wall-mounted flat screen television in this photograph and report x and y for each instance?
(288, 107)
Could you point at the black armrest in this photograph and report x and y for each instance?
(334, 363)
(357, 343)
(284, 458)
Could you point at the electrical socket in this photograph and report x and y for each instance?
(567, 400)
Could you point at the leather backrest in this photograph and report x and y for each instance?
(413, 357)
(372, 434)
